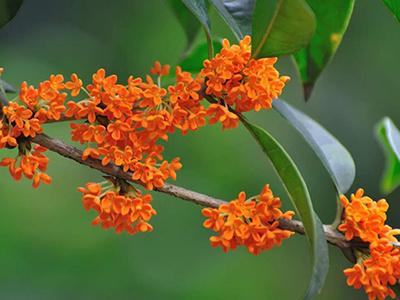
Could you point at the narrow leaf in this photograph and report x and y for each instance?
(8, 10)
(394, 6)
(299, 195)
(389, 137)
(281, 27)
(194, 60)
(333, 155)
(199, 9)
(332, 19)
(237, 14)
(190, 25)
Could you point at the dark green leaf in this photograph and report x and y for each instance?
(194, 61)
(199, 9)
(8, 10)
(332, 19)
(237, 14)
(389, 136)
(394, 6)
(299, 195)
(190, 25)
(281, 27)
(333, 155)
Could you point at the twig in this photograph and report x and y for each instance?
(333, 236)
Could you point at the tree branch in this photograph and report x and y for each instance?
(333, 236)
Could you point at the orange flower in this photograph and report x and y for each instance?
(252, 222)
(128, 211)
(6, 139)
(240, 81)
(379, 269)
(32, 165)
(22, 121)
(159, 70)
(222, 114)
(75, 85)
(29, 95)
(364, 217)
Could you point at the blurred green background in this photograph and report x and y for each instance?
(49, 250)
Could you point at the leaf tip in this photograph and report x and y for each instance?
(307, 88)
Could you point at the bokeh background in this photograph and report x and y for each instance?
(49, 250)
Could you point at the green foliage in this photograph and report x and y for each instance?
(281, 27)
(394, 6)
(237, 14)
(299, 195)
(199, 9)
(8, 10)
(389, 137)
(194, 61)
(332, 20)
(190, 25)
(335, 158)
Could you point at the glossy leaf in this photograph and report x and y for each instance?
(199, 9)
(299, 195)
(8, 10)
(281, 27)
(389, 137)
(194, 61)
(332, 19)
(333, 155)
(190, 25)
(237, 14)
(394, 6)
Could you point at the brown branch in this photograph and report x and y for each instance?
(333, 236)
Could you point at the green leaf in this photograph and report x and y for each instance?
(394, 6)
(190, 25)
(199, 9)
(389, 137)
(281, 27)
(299, 195)
(8, 10)
(194, 61)
(237, 14)
(332, 19)
(333, 155)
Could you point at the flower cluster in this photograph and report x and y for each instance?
(127, 211)
(32, 164)
(250, 222)
(240, 81)
(379, 268)
(126, 124)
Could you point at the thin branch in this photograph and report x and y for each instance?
(333, 236)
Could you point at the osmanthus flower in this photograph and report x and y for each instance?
(378, 268)
(253, 222)
(127, 124)
(127, 210)
(31, 164)
(244, 83)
